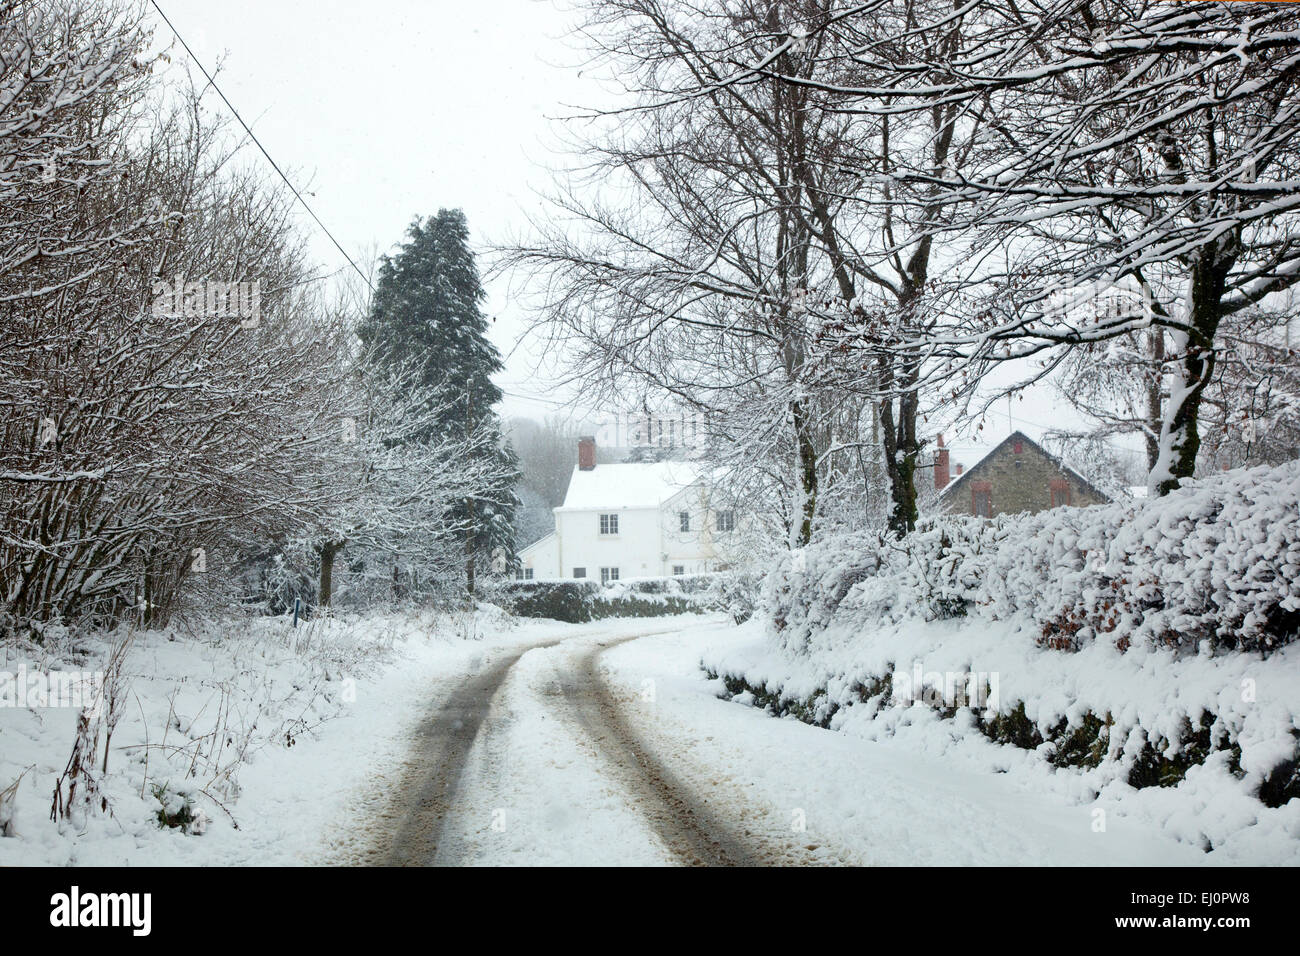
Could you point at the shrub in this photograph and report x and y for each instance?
(1217, 561)
(177, 811)
(560, 600)
(582, 600)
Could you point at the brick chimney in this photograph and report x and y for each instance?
(941, 475)
(586, 453)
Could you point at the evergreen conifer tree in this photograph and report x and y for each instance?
(426, 315)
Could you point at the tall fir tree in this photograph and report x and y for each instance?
(426, 316)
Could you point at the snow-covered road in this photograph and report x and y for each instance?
(604, 744)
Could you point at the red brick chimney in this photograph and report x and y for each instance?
(586, 453)
(941, 475)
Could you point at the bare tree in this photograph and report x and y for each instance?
(1124, 142)
(691, 257)
(160, 355)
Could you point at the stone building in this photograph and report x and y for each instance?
(1018, 475)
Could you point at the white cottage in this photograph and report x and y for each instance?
(631, 520)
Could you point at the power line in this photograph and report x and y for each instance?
(274, 165)
(536, 398)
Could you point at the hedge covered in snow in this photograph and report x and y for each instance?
(1133, 645)
(578, 601)
(1215, 563)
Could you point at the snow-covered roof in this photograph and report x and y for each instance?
(544, 541)
(645, 484)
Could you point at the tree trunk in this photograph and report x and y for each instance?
(807, 474)
(469, 550)
(1155, 395)
(898, 437)
(1180, 438)
(327, 552)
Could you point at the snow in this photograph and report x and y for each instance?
(1147, 693)
(892, 786)
(884, 802)
(1160, 618)
(350, 693)
(536, 791)
(628, 485)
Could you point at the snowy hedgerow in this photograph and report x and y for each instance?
(558, 600)
(1128, 651)
(578, 601)
(1217, 560)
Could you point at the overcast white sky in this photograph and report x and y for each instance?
(390, 109)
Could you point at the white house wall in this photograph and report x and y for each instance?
(542, 557)
(649, 542)
(693, 549)
(635, 550)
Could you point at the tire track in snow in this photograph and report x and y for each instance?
(414, 827)
(691, 829)
(442, 747)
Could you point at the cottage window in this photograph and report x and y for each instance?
(609, 524)
(678, 570)
(726, 520)
(528, 574)
(608, 574)
(684, 520)
(579, 572)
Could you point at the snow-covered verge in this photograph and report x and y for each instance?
(839, 798)
(250, 736)
(1138, 657)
